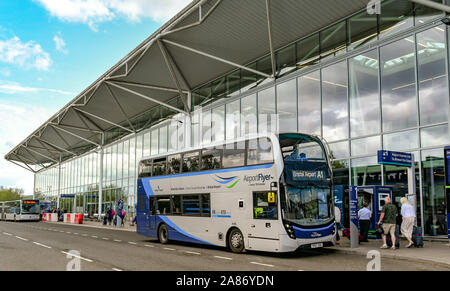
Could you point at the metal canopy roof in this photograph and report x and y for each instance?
(206, 40)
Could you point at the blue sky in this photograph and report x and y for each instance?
(51, 50)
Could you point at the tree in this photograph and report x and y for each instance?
(10, 194)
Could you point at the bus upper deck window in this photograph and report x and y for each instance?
(174, 164)
(259, 151)
(191, 162)
(160, 167)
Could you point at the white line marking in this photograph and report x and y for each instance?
(88, 260)
(68, 232)
(118, 270)
(301, 270)
(261, 264)
(94, 236)
(193, 253)
(7, 233)
(149, 246)
(36, 243)
(117, 240)
(169, 249)
(21, 238)
(76, 233)
(223, 258)
(132, 243)
(105, 238)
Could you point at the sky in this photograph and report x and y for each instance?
(51, 50)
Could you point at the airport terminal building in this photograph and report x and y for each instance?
(364, 79)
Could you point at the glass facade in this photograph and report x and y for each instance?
(365, 83)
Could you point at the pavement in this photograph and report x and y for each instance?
(433, 252)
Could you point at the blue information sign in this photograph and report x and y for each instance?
(67, 196)
(395, 158)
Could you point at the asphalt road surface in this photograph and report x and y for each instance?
(42, 246)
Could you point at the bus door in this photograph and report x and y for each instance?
(152, 213)
(265, 215)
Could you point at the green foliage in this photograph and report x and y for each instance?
(10, 194)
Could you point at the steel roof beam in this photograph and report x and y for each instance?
(75, 135)
(55, 146)
(82, 116)
(147, 98)
(103, 119)
(152, 87)
(270, 30)
(78, 128)
(28, 168)
(120, 107)
(170, 63)
(42, 155)
(217, 58)
(433, 5)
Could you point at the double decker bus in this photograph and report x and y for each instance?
(264, 192)
(20, 210)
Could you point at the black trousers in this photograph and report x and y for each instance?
(364, 226)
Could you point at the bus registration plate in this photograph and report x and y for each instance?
(315, 246)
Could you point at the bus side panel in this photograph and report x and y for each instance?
(187, 229)
(143, 212)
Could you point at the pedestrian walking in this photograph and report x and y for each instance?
(364, 216)
(388, 217)
(409, 216)
(110, 215)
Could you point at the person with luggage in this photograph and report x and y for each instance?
(388, 217)
(364, 215)
(409, 216)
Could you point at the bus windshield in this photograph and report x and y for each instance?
(306, 185)
(30, 207)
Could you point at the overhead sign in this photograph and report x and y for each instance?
(67, 196)
(395, 158)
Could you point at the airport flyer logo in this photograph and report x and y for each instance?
(228, 182)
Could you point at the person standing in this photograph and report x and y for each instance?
(388, 217)
(109, 214)
(409, 216)
(337, 217)
(364, 216)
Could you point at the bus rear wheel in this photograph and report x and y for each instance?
(163, 234)
(236, 241)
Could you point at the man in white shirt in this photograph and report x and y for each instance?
(337, 218)
(364, 215)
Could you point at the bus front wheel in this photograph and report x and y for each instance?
(236, 241)
(163, 234)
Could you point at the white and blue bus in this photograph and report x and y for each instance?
(264, 192)
(20, 210)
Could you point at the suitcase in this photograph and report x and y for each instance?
(397, 239)
(417, 237)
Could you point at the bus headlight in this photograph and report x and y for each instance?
(289, 230)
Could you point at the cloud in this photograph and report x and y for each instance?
(27, 55)
(15, 88)
(93, 12)
(60, 44)
(18, 121)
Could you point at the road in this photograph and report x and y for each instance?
(43, 246)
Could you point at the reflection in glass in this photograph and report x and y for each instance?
(364, 95)
(309, 114)
(218, 123)
(365, 172)
(234, 83)
(233, 113)
(163, 139)
(286, 60)
(433, 90)
(435, 136)
(435, 222)
(425, 13)
(401, 141)
(366, 146)
(266, 110)
(286, 106)
(249, 120)
(399, 85)
(334, 102)
(206, 127)
(154, 142)
(339, 150)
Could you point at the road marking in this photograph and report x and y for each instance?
(36, 243)
(73, 255)
(169, 249)
(301, 270)
(193, 253)
(7, 233)
(132, 243)
(94, 236)
(149, 246)
(76, 233)
(105, 238)
(261, 264)
(68, 232)
(223, 258)
(117, 240)
(118, 270)
(21, 238)
(84, 234)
